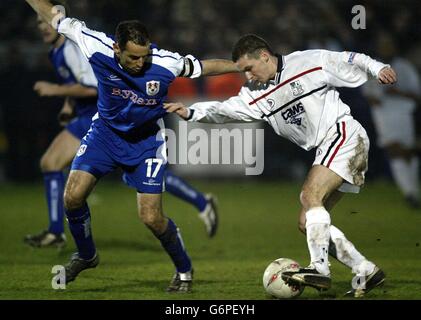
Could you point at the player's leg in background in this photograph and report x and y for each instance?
(57, 157)
(151, 214)
(205, 203)
(404, 166)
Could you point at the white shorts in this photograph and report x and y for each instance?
(345, 152)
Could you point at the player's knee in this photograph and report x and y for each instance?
(73, 199)
(48, 163)
(150, 216)
(307, 198)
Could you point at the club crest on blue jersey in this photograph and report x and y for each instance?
(297, 88)
(152, 87)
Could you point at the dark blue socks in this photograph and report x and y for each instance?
(172, 243)
(80, 227)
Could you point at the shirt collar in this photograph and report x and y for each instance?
(281, 66)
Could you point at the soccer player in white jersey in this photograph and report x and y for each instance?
(393, 112)
(296, 95)
(133, 78)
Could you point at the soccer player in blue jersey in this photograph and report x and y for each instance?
(133, 79)
(77, 83)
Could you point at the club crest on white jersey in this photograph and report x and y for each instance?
(297, 88)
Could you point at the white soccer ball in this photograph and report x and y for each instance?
(273, 283)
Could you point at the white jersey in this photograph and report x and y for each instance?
(301, 103)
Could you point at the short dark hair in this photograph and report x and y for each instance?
(131, 30)
(251, 45)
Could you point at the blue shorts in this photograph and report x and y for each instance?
(79, 126)
(141, 155)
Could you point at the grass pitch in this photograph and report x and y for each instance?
(258, 223)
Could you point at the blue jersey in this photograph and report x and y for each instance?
(71, 67)
(128, 103)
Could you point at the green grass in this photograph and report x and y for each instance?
(258, 223)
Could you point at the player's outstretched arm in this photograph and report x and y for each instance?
(46, 10)
(48, 89)
(212, 67)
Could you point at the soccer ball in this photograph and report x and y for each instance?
(273, 283)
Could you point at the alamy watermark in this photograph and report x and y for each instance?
(359, 20)
(58, 282)
(222, 146)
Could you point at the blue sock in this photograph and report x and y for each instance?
(172, 243)
(80, 227)
(54, 187)
(181, 189)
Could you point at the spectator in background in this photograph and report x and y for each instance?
(393, 111)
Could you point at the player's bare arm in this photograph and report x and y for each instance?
(178, 108)
(48, 89)
(218, 66)
(387, 76)
(45, 9)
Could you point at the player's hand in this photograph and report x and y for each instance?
(387, 76)
(45, 89)
(178, 108)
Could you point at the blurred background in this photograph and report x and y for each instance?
(206, 29)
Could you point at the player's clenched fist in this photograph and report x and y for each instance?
(387, 76)
(45, 89)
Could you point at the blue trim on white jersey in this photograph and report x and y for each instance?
(157, 55)
(92, 36)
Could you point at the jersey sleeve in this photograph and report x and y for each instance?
(348, 69)
(79, 66)
(235, 109)
(88, 41)
(181, 66)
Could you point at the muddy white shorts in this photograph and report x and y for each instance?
(345, 152)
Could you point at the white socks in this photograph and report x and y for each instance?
(405, 175)
(318, 234)
(348, 255)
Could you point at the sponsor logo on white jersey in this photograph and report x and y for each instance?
(291, 115)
